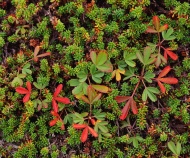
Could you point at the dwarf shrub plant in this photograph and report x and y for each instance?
(91, 78)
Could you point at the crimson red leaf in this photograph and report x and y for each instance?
(54, 113)
(134, 107)
(26, 98)
(55, 106)
(58, 90)
(79, 126)
(125, 110)
(156, 22)
(28, 85)
(169, 80)
(121, 99)
(162, 88)
(21, 90)
(171, 54)
(62, 100)
(93, 132)
(53, 122)
(84, 135)
(164, 72)
(93, 121)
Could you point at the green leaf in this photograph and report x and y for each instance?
(129, 73)
(97, 79)
(39, 86)
(84, 114)
(147, 52)
(167, 34)
(93, 56)
(178, 148)
(172, 147)
(26, 71)
(144, 95)
(101, 58)
(98, 74)
(129, 59)
(92, 69)
(140, 57)
(21, 75)
(103, 128)
(77, 89)
(151, 95)
(153, 90)
(17, 80)
(135, 143)
(82, 75)
(27, 66)
(100, 115)
(106, 67)
(74, 82)
(148, 76)
(78, 118)
(130, 63)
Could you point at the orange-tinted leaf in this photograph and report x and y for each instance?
(162, 88)
(28, 85)
(79, 126)
(85, 99)
(125, 110)
(93, 132)
(164, 72)
(150, 30)
(22, 90)
(93, 121)
(84, 135)
(118, 75)
(171, 54)
(169, 80)
(101, 88)
(26, 98)
(156, 22)
(63, 100)
(58, 90)
(44, 54)
(163, 28)
(134, 107)
(98, 96)
(36, 51)
(91, 93)
(53, 122)
(121, 99)
(62, 127)
(55, 106)
(54, 113)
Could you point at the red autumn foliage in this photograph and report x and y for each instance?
(168, 80)
(129, 104)
(25, 91)
(56, 118)
(85, 128)
(168, 52)
(58, 99)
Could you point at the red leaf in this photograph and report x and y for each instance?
(26, 98)
(93, 132)
(21, 90)
(54, 113)
(93, 121)
(150, 30)
(169, 80)
(134, 107)
(162, 88)
(121, 99)
(55, 106)
(79, 126)
(44, 54)
(164, 72)
(84, 135)
(62, 126)
(62, 100)
(171, 54)
(156, 22)
(58, 90)
(53, 122)
(28, 85)
(125, 110)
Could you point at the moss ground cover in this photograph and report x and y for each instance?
(92, 78)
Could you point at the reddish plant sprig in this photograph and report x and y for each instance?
(56, 99)
(56, 118)
(85, 131)
(168, 80)
(27, 92)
